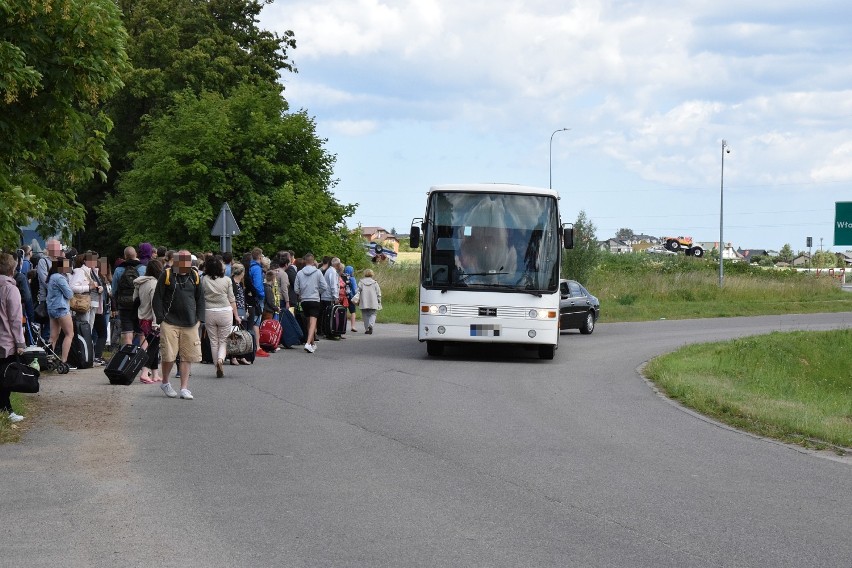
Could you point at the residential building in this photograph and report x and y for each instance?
(615, 246)
(381, 236)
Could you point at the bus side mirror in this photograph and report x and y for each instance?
(568, 237)
(415, 236)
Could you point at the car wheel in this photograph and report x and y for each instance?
(546, 351)
(589, 326)
(698, 252)
(434, 348)
(672, 244)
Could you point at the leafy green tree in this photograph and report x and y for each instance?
(179, 46)
(245, 149)
(824, 259)
(786, 254)
(580, 262)
(59, 61)
(624, 234)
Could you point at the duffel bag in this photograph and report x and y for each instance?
(18, 377)
(239, 343)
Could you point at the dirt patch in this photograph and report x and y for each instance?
(84, 402)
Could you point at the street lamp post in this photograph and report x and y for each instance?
(551, 154)
(725, 150)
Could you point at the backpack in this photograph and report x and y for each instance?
(124, 297)
(347, 282)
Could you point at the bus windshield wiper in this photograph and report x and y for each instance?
(466, 274)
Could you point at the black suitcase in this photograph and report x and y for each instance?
(125, 365)
(206, 349)
(82, 353)
(153, 351)
(339, 315)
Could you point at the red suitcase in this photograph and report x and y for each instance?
(270, 334)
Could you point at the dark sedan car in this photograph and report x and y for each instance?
(578, 309)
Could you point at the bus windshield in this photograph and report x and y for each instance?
(491, 241)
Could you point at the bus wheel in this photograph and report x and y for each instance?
(546, 351)
(435, 348)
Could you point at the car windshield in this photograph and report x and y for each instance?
(492, 242)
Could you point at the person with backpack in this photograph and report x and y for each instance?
(178, 310)
(122, 294)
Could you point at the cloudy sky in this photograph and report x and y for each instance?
(411, 94)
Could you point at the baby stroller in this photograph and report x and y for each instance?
(54, 361)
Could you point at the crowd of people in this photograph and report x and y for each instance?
(177, 299)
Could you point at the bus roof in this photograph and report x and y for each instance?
(494, 188)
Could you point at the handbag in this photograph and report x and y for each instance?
(18, 377)
(356, 299)
(41, 315)
(81, 303)
(239, 343)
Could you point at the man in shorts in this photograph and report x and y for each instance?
(310, 286)
(178, 309)
(122, 293)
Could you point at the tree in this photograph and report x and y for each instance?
(59, 61)
(180, 46)
(824, 259)
(244, 149)
(624, 234)
(786, 254)
(580, 262)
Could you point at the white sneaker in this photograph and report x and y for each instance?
(309, 348)
(185, 394)
(168, 390)
(15, 417)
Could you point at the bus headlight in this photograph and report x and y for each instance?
(542, 314)
(433, 309)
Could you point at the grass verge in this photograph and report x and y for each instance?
(11, 433)
(793, 386)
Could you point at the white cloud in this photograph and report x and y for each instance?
(353, 128)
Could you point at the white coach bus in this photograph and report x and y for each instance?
(490, 264)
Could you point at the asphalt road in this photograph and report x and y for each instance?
(368, 453)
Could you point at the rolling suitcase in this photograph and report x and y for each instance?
(125, 365)
(153, 351)
(339, 317)
(206, 349)
(270, 334)
(82, 353)
(324, 323)
(293, 334)
(334, 320)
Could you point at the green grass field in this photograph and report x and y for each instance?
(641, 287)
(793, 386)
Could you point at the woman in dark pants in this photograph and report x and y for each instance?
(11, 331)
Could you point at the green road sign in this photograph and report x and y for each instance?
(843, 223)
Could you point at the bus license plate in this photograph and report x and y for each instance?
(485, 330)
